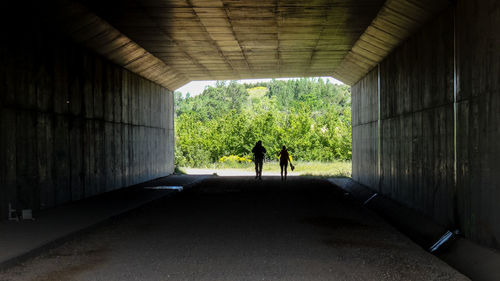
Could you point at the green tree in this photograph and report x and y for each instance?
(310, 116)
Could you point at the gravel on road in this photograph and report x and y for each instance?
(239, 228)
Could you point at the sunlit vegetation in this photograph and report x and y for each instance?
(335, 168)
(311, 117)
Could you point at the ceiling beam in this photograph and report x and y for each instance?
(86, 28)
(395, 22)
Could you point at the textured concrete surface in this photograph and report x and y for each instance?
(413, 224)
(445, 77)
(364, 107)
(73, 125)
(478, 120)
(475, 261)
(19, 240)
(242, 229)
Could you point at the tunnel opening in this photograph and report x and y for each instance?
(217, 126)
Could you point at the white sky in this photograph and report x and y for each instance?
(195, 88)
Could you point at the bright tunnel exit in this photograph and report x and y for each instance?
(217, 124)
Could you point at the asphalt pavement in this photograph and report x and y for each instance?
(239, 228)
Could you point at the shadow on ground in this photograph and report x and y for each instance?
(239, 228)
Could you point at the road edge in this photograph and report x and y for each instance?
(471, 259)
(13, 261)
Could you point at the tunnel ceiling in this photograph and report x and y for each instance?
(174, 42)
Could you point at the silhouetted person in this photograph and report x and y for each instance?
(284, 158)
(258, 153)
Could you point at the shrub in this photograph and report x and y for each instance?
(234, 159)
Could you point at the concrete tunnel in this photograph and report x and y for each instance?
(86, 99)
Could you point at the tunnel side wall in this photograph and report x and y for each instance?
(74, 125)
(364, 103)
(418, 113)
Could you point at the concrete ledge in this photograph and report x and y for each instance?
(358, 191)
(22, 240)
(420, 229)
(471, 259)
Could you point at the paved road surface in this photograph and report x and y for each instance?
(241, 229)
(233, 172)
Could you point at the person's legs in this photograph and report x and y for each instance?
(260, 168)
(281, 166)
(286, 166)
(256, 168)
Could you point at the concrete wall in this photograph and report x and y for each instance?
(74, 125)
(478, 119)
(421, 102)
(364, 102)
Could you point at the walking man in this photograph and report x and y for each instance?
(258, 153)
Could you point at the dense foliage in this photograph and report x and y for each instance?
(312, 117)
